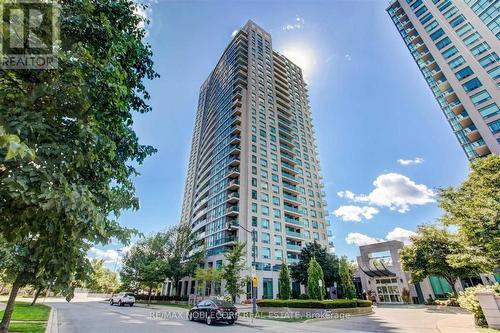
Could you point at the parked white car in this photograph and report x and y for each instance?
(122, 298)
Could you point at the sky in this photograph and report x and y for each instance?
(384, 144)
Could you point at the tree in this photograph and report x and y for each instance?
(146, 264)
(346, 276)
(284, 282)
(102, 279)
(328, 262)
(315, 280)
(474, 208)
(431, 253)
(78, 120)
(233, 265)
(183, 254)
(206, 276)
(11, 147)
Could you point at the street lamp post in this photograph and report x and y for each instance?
(254, 264)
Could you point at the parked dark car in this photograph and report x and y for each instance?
(214, 310)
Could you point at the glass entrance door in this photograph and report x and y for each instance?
(388, 291)
(267, 288)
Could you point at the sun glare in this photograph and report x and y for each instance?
(303, 56)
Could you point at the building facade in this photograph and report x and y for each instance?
(254, 162)
(455, 43)
(380, 272)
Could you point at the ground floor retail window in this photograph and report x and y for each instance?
(388, 290)
(267, 284)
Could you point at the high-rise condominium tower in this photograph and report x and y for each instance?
(456, 45)
(253, 162)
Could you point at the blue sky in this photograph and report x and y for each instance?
(370, 106)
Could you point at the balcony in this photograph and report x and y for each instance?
(232, 210)
(457, 108)
(235, 151)
(291, 198)
(235, 120)
(295, 222)
(234, 139)
(233, 197)
(234, 172)
(294, 211)
(233, 161)
(289, 177)
(472, 133)
(288, 167)
(293, 247)
(294, 234)
(287, 156)
(292, 260)
(233, 185)
(290, 187)
(235, 130)
(464, 119)
(481, 148)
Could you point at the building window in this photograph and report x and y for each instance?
(265, 223)
(472, 84)
(456, 62)
(464, 73)
(450, 52)
(442, 43)
(266, 253)
(489, 59)
(480, 97)
(480, 49)
(278, 240)
(266, 238)
(456, 21)
(438, 33)
(489, 110)
(495, 126)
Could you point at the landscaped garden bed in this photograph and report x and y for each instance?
(315, 307)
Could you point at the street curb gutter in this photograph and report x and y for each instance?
(52, 326)
(248, 325)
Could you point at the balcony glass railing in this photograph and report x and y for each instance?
(294, 234)
(290, 197)
(294, 247)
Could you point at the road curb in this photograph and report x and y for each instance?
(52, 326)
(249, 325)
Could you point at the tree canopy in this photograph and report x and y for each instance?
(475, 208)
(328, 262)
(315, 280)
(78, 121)
(233, 265)
(102, 279)
(432, 252)
(346, 279)
(284, 282)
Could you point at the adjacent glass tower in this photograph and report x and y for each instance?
(254, 162)
(456, 46)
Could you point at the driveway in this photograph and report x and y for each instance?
(89, 315)
(95, 316)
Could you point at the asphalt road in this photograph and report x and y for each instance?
(91, 316)
(98, 316)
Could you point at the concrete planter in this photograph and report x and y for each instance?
(490, 304)
(315, 313)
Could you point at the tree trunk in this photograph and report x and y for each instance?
(451, 281)
(149, 296)
(38, 291)
(4, 325)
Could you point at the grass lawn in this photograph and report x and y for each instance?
(174, 305)
(27, 327)
(24, 311)
(290, 318)
(488, 330)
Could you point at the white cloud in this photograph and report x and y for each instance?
(397, 233)
(296, 25)
(355, 213)
(109, 255)
(346, 194)
(348, 57)
(400, 234)
(360, 239)
(416, 160)
(395, 191)
(144, 13)
(234, 33)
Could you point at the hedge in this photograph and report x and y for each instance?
(316, 304)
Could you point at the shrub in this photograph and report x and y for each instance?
(468, 300)
(295, 293)
(316, 304)
(304, 296)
